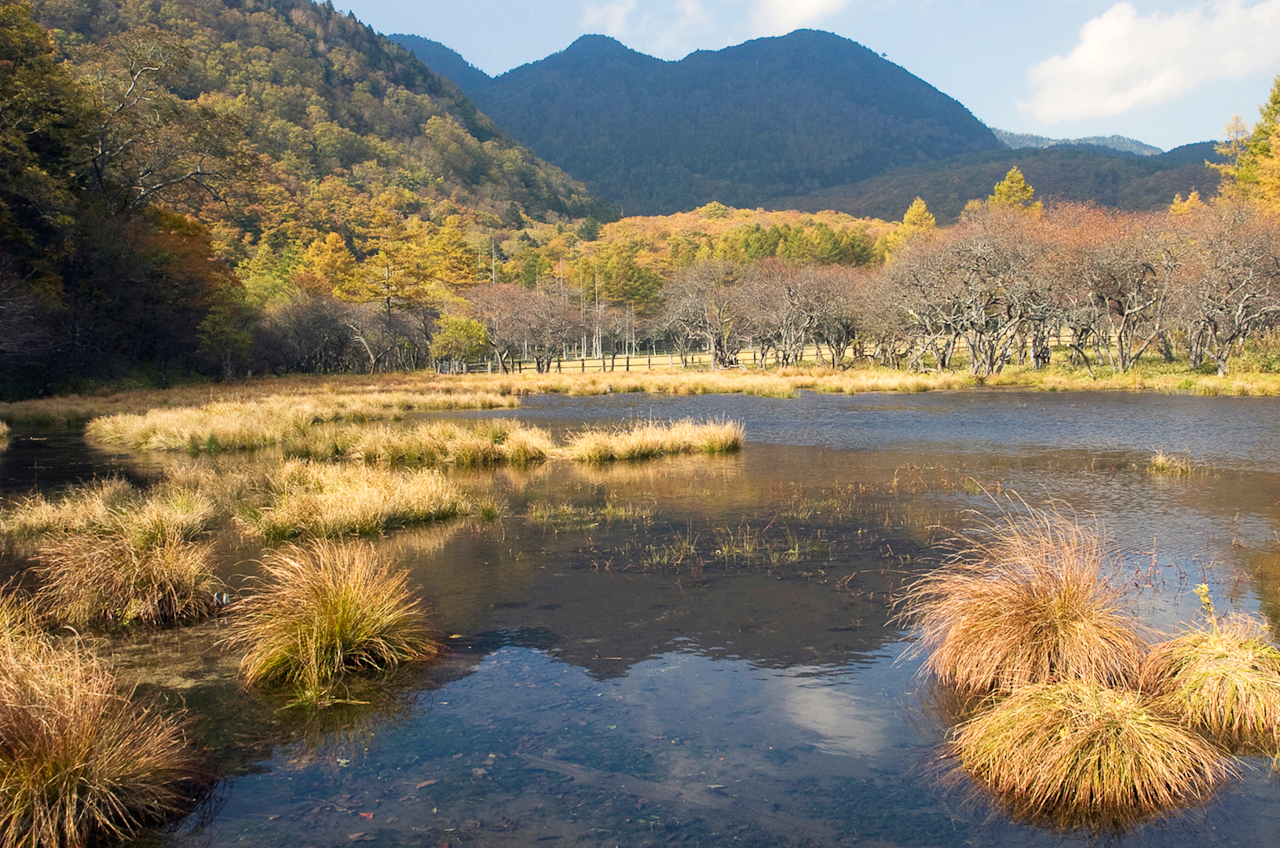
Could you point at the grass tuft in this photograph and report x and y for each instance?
(1222, 680)
(1074, 754)
(80, 761)
(1167, 463)
(650, 440)
(1025, 601)
(326, 501)
(112, 581)
(324, 610)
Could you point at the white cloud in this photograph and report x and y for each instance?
(779, 17)
(1126, 61)
(609, 18)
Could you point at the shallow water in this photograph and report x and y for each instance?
(613, 680)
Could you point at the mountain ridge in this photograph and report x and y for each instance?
(769, 116)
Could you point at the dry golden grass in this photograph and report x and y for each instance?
(81, 763)
(649, 440)
(1026, 600)
(323, 500)
(4, 432)
(1074, 754)
(1222, 679)
(324, 610)
(112, 508)
(107, 581)
(247, 425)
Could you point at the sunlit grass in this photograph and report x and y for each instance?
(110, 581)
(1223, 679)
(322, 611)
(81, 762)
(112, 508)
(651, 439)
(247, 425)
(1167, 463)
(4, 432)
(1026, 600)
(1076, 754)
(326, 500)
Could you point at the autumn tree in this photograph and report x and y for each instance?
(918, 223)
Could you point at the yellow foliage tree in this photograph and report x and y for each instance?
(1013, 192)
(917, 224)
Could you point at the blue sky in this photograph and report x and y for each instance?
(1167, 72)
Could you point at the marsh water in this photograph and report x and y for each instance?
(703, 650)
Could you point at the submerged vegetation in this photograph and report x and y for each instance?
(81, 760)
(324, 610)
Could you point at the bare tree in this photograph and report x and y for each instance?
(709, 303)
(1230, 284)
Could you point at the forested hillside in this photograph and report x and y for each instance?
(167, 166)
(1082, 174)
(772, 117)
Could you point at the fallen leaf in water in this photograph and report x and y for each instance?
(368, 816)
(427, 783)
(479, 772)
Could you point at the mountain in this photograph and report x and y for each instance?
(338, 114)
(771, 117)
(444, 61)
(1122, 181)
(1018, 141)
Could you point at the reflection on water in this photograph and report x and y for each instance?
(639, 674)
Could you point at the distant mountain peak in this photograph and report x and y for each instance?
(1020, 141)
(783, 114)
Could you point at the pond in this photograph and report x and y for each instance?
(704, 650)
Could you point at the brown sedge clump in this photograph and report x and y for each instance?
(1026, 601)
(81, 761)
(324, 610)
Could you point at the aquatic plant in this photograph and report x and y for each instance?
(246, 425)
(1167, 463)
(81, 761)
(1076, 754)
(326, 500)
(323, 610)
(1221, 678)
(1025, 600)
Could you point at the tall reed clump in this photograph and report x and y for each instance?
(1028, 600)
(324, 610)
(1073, 754)
(1221, 678)
(325, 500)
(81, 762)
